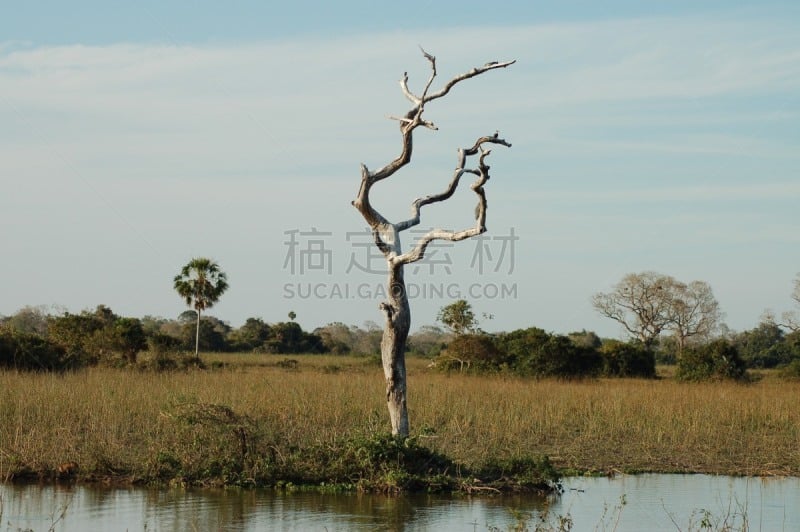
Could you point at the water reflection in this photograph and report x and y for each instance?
(652, 502)
(87, 509)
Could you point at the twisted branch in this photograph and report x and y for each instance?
(386, 233)
(480, 216)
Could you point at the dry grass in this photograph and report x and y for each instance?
(122, 421)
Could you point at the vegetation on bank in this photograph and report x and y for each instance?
(257, 420)
(33, 339)
(97, 396)
(243, 422)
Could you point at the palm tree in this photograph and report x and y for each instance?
(201, 283)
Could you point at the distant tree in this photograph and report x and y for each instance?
(187, 316)
(585, 339)
(74, 333)
(152, 324)
(764, 346)
(213, 334)
(163, 345)
(647, 304)
(428, 341)
(337, 337)
(367, 340)
(105, 315)
(641, 303)
(201, 283)
(791, 320)
(250, 336)
(458, 317)
(471, 351)
(694, 312)
(29, 319)
(175, 328)
(93, 336)
(289, 337)
(129, 338)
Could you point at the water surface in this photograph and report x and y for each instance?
(641, 502)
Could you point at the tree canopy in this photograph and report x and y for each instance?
(647, 304)
(201, 283)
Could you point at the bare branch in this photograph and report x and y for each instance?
(362, 203)
(492, 65)
(463, 153)
(418, 252)
(432, 60)
(404, 120)
(413, 118)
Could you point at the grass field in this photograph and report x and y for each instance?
(249, 413)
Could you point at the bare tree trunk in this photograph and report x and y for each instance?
(387, 234)
(393, 350)
(197, 338)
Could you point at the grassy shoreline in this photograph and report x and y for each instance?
(252, 419)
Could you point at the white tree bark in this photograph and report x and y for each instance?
(791, 319)
(396, 309)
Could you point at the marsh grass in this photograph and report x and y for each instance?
(249, 419)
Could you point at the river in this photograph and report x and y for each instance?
(638, 502)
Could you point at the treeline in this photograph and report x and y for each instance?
(33, 339)
(536, 353)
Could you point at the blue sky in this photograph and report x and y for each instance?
(134, 137)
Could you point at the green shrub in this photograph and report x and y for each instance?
(791, 370)
(531, 474)
(537, 353)
(160, 343)
(717, 360)
(74, 332)
(31, 352)
(471, 352)
(622, 359)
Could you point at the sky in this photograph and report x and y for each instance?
(136, 136)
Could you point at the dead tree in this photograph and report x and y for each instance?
(387, 234)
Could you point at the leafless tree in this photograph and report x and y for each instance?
(649, 303)
(641, 302)
(790, 319)
(695, 312)
(386, 234)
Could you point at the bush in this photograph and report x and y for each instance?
(73, 332)
(530, 474)
(164, 344)
(717, 360)
(31, 352)
(627, 360)
(764, 347)
(471, 352)
(791, 370)
(536, 353)
(169, 361)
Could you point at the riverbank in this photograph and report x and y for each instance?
(260, 419)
